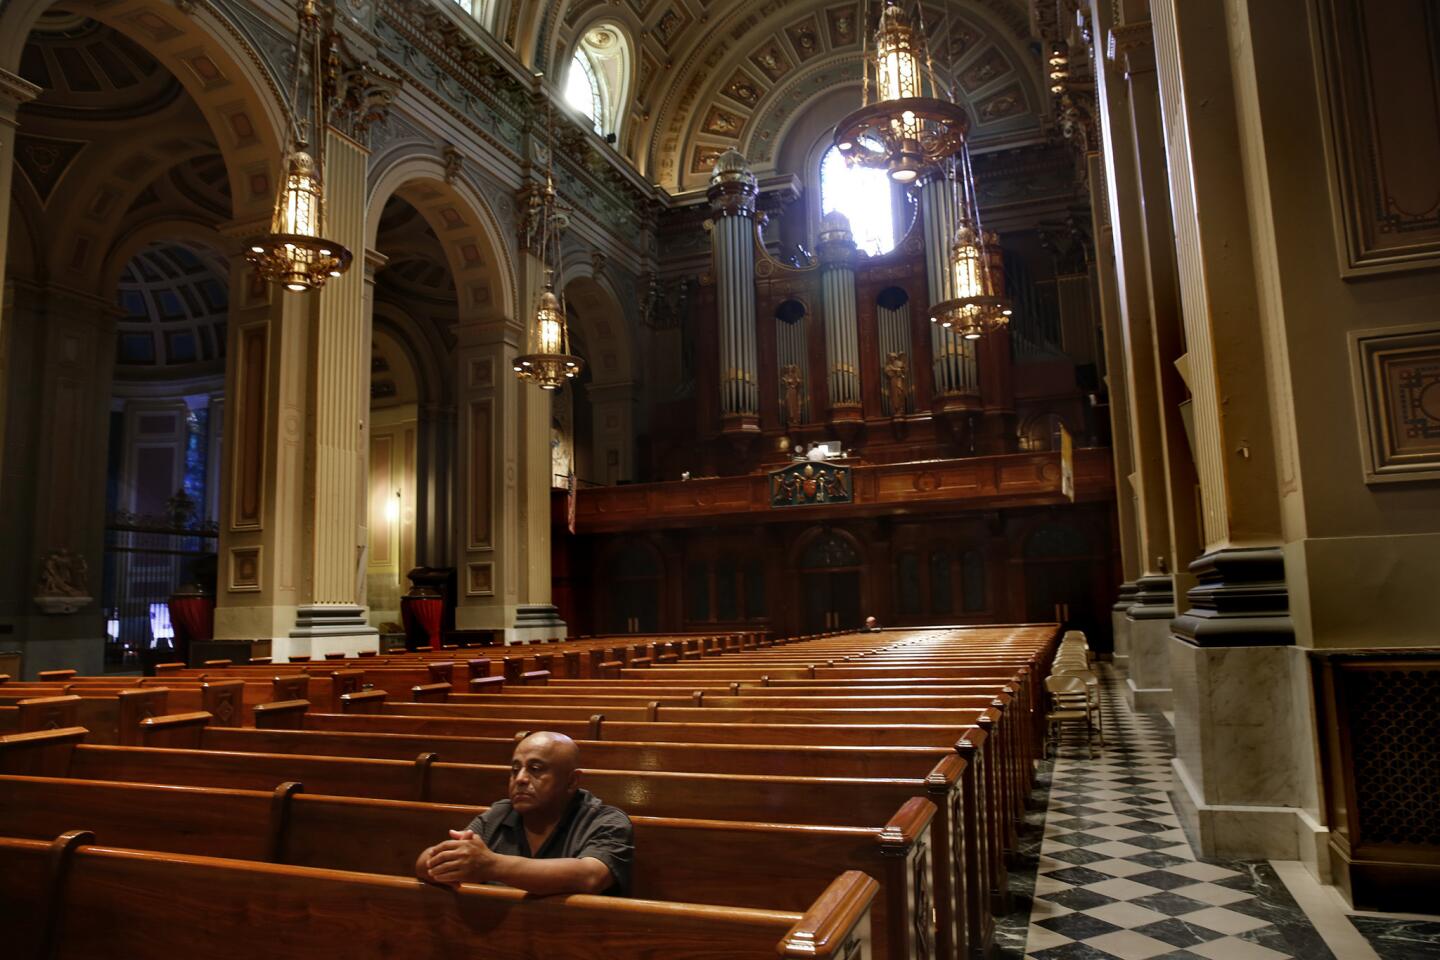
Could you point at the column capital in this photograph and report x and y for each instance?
(733, 187)
(374, 262)
(836, 246)
(1132, 47)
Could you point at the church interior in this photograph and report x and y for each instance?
(1022, 415)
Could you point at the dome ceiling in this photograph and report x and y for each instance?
(175, 299)
(86, 68)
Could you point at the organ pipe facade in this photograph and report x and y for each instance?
(842, 349)
(954, 356)
(732, 237)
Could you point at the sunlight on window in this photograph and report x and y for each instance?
(863, 195)
(582, 89)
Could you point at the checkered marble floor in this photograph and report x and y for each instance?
(1116, 877)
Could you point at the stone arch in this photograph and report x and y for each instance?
(229, 81)
(422, 351)
(133, 241)
(604, 324)
(468, 229)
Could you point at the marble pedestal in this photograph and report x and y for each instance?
(1245, 779)
(1147, 685)
(326, 628)
(1120, 627)
(522, 623)
(1120, 630)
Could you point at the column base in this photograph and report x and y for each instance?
(521, 623)
(536, 621)
(1120, 627)
(1244, 832)
(1147, 630)
(326, 628)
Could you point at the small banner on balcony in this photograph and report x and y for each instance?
(1067, 464)
(806, 484)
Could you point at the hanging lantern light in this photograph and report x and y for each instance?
(909, 127)
(977, 271)
(295, 253)
(1058, 65)
(549, 362)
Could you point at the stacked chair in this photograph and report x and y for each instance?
(1074, 690)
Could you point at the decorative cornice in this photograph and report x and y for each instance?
(1241, 600)
(15, 90)
(1132, 46)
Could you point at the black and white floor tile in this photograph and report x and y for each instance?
(1115, 877)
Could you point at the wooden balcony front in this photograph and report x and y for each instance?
(916, 488)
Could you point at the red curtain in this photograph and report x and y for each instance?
(193, 618)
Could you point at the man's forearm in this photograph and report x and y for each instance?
(560, 875)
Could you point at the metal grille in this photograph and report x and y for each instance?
(1395, 737)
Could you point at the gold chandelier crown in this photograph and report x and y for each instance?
(910, 127)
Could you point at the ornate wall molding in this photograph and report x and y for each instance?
(1395, 372)
(1380, 98)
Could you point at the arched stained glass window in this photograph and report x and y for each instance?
(582, 90)
(865, 197)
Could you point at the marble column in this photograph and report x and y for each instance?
(836, 250)
(62, 361)
(14, 91)
(294, 522)
(1131, 47)
(732, 237)
(1147, 628)
(330, 617)
(957, 378)
(1246, 784)
(1119, 409)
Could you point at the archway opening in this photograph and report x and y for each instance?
(416, 309)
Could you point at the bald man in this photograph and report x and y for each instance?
(549, 837)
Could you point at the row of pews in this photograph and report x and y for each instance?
(842, 796)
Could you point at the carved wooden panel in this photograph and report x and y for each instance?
(1381, 64)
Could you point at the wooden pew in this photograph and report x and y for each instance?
(676, 859)
(129, 901)
(823, 801)
(223, 700)
(30, 714)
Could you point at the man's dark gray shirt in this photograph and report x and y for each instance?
(589, 828)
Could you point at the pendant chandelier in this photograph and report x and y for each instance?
(977, 269)
(909, 127)
(295, 253)
(549, 362)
